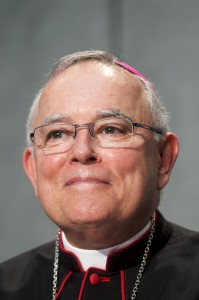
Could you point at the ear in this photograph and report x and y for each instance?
(29, 165)
(168, 155)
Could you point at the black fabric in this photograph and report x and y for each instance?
(172, 271)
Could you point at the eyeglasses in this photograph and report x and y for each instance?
(107, 133)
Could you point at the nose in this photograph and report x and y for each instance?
(84, 148)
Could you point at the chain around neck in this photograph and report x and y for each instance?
(140, 272)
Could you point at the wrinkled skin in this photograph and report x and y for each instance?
(99, 197)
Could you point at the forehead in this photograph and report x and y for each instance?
(88, 87)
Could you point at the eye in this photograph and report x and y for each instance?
(113, 130)
(56, 134)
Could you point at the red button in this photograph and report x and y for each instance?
(94, 279)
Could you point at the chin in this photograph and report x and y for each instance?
(91, 219)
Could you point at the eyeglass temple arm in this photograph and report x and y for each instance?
(155, 129)
(32, 136)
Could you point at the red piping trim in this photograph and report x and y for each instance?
(122, 278)
(62, 285)
(105, 279)
(135, 242)
(82, 285)
(116, 251)
(71, 253)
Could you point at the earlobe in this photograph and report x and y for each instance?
(30, 167)
(168, 156)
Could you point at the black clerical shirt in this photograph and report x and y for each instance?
(172, 271)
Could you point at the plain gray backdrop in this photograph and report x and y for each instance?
(160, 38)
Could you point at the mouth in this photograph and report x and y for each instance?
(85, 181)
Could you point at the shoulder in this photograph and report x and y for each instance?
(184, 236)
(16, 269)
(183, 245)
(177, 235)
(43, 252)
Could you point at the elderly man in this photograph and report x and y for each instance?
(99, 152)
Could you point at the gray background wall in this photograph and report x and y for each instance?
(160, 38)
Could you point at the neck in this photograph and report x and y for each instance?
(101, 236)
(98, 258)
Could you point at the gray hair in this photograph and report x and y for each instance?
(160, 116)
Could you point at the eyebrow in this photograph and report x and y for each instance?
(56, 118)
(65, 118)
(113, 113)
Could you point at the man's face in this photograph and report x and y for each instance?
(90, 186)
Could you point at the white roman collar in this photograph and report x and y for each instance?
(97, 258)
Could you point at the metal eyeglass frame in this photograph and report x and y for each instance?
(88, 125)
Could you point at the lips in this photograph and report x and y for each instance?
(85, 180)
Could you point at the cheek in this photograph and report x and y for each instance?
(125, 162)
(49, 166)
(127, 168)
(48, 174)
(48, 183)
(135, 171)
